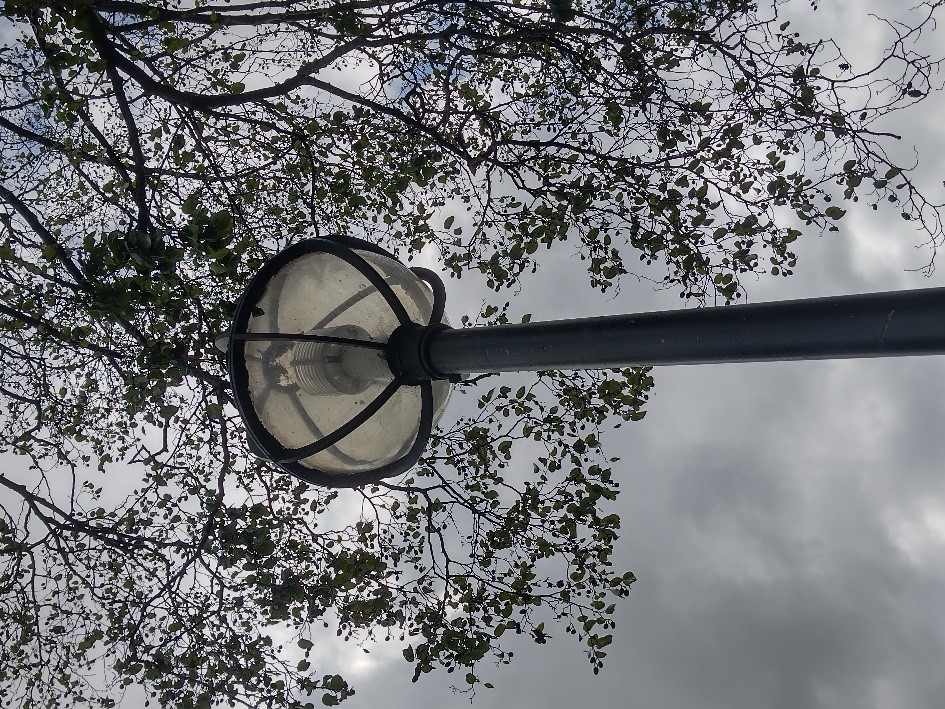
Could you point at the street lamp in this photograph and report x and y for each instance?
(342, 360)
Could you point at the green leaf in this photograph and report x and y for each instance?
(834, 212)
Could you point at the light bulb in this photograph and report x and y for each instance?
(337, 368)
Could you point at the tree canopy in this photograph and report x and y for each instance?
(155, 154)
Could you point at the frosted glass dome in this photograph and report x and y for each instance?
(309, 366)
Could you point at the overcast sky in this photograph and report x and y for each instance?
(786, 521)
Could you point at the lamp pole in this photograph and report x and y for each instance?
(891, 324)
(341, 358)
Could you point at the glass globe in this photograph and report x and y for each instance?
(309, 365)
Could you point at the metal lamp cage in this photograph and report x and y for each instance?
(254, 384)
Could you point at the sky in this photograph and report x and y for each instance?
(786, 521)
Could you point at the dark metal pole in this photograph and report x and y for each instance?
(870, 325)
